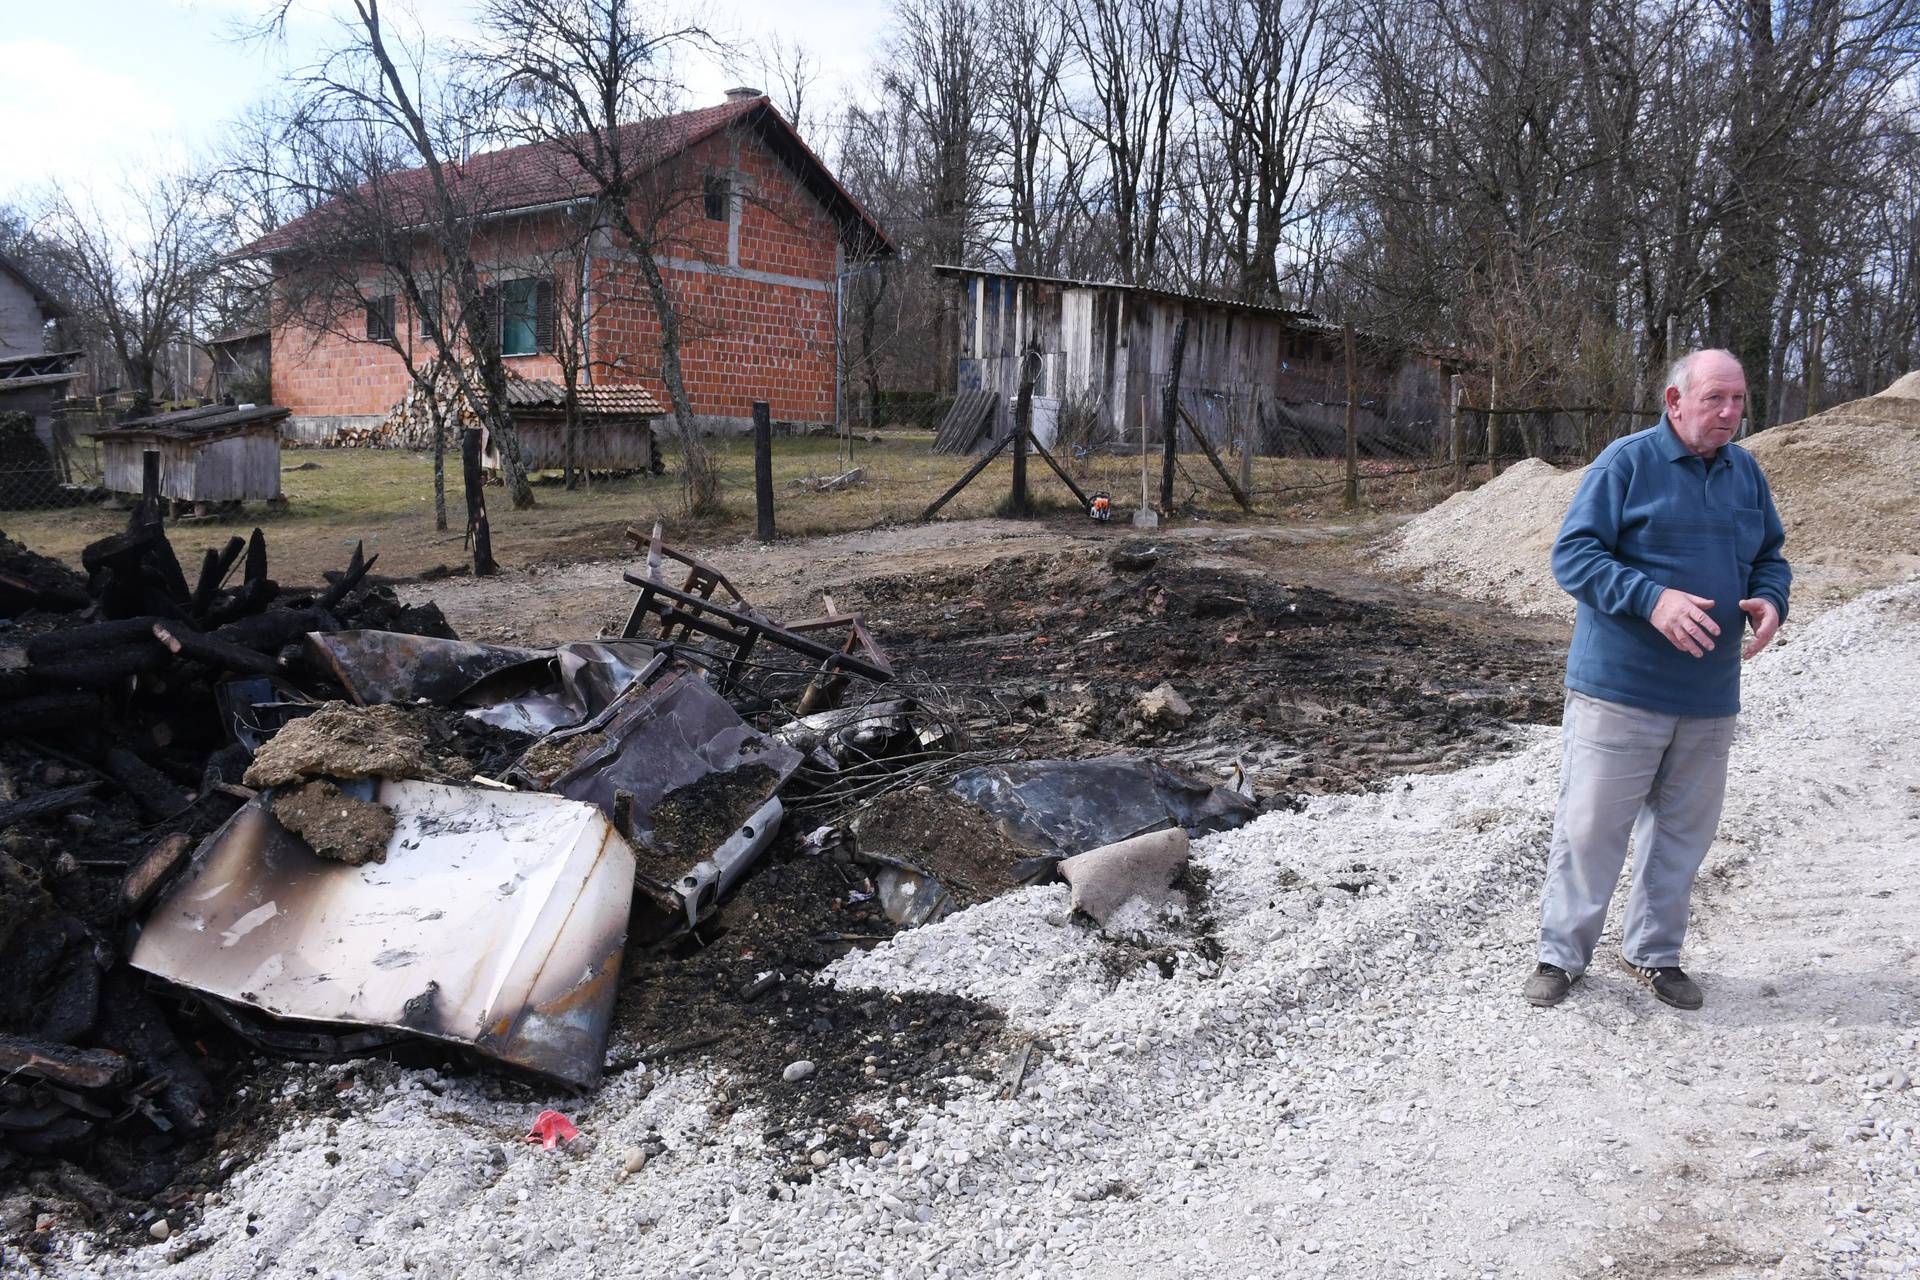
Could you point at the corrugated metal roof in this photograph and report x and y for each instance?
(1146, 291)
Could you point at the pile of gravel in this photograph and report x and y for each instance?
(1846, 481)
(1492, 543)
(1322, 1067)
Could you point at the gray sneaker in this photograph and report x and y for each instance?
(1669, 983)
(1548, 985)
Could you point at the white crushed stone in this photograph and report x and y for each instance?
(1492, 543)
(1353, 1088)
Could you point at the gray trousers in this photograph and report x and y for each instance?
(1626, 771)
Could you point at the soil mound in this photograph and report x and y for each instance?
(1846, 481)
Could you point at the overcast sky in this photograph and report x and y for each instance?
(89, 88)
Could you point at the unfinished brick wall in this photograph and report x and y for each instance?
(756, 294)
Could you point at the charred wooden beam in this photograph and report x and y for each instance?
(250, 599)
(214, 570)
(256, 570)
(45, 804)
(270, 631)
(31, 714)
(188, 643)
(102, 668)
(152, 872)
(357, 570)
(151, 789)
(53, 646)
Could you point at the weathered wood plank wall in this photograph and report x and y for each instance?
(1273, 379)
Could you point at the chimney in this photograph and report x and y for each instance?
(743, 94)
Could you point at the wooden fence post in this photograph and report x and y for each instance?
(1249, 424)
(1169, 418)
(1493, 426)
(1022, 425)
(149, 509)
(1456, 443)
(1814, 356)
(1353, 425)
(763, 470)
(479, 536)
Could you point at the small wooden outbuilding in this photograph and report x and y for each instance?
(615, 426)
(1273, 376)
(219, 453)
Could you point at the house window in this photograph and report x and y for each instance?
(717, 197)
(429, 313)
(525, 309)
(380, 319)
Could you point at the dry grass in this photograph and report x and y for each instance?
(339, 496)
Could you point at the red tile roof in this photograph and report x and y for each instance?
(622, 399)
(542, 173)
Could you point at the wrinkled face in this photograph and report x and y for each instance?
(1707, 416)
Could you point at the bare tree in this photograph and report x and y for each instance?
(1266, 75)
(584, 77)
(136, 279)
(1039, 160)
(415, 107)
(1130, 55)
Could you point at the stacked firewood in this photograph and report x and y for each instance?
(410, 424)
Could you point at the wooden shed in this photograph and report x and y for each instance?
(219, 453)
(1271, 375)
(616, 426)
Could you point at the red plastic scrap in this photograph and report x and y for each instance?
(550, 1129)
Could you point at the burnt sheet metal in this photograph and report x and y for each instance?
(853, 735)
(254, 708)
(1064, 807)
(672, 736)
(679, 732)
(701, 888)
(909, 896)
(581, 680)
(497, 921)
(391, 666)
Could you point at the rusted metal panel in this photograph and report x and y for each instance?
(497, 921)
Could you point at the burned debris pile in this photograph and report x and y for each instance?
(242, 818)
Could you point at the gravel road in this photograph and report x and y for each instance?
(1324, 1068)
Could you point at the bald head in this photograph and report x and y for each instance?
(1706, 399)
(1680, 375)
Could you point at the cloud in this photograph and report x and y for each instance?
(69, 119)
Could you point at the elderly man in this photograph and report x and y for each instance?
(1671, 545)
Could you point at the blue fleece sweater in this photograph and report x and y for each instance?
(1648, 516)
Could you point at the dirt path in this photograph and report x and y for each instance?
(569, 602)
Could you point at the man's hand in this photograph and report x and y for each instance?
(1765, 618)
(1683, 620)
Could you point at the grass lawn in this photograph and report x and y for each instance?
(385, 498)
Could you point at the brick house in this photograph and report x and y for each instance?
(759, 234)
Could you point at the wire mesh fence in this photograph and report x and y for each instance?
(46, 460)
